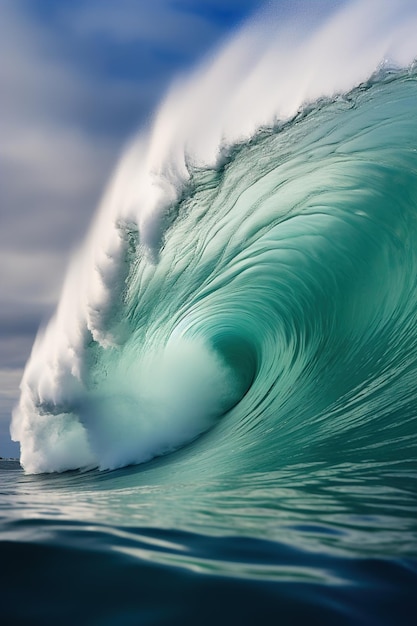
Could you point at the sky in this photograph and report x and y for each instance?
(78, 78)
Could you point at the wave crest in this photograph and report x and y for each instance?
(265, 281)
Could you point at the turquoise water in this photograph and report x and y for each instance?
(279, 317)
(299, 500)
(231, 400)
(315, 543)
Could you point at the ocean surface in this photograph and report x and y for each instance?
(219, 424)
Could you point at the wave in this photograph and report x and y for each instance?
(251, 273)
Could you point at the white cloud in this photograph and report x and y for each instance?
(159, 22)
(52, 171)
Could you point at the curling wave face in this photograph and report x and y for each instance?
(254, 280)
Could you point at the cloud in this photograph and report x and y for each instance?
(51, 168)
(161, 23)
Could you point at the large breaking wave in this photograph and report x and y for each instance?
(252, 270)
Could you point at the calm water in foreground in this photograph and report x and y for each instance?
(304, 545)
